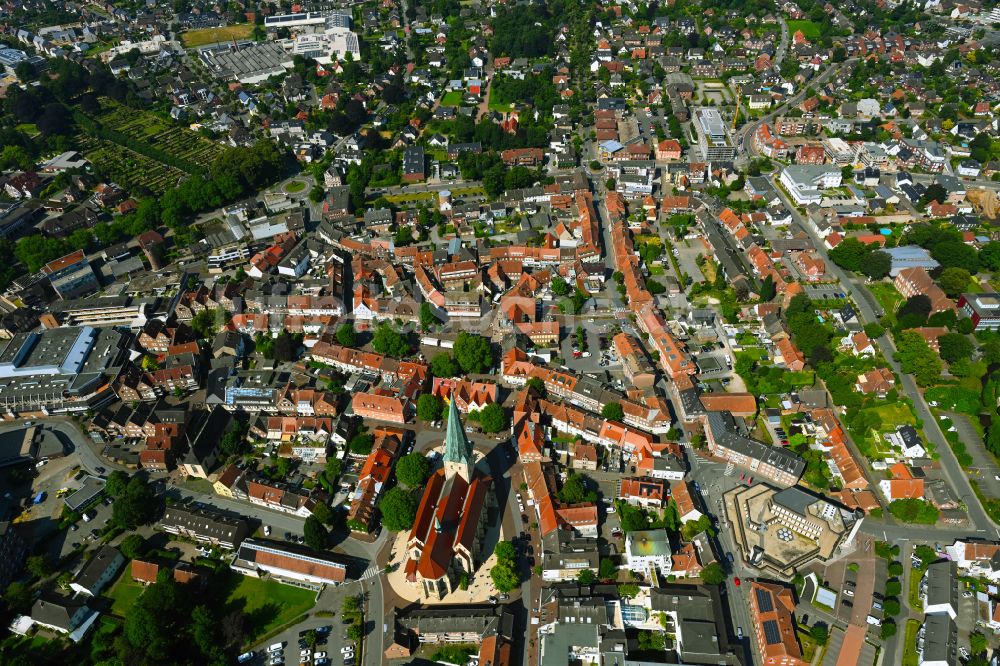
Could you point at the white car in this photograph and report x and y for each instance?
(305, 653)
(267, 530)
(345, 650)
(319, 655)
(611, 508)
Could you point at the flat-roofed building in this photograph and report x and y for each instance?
(295, 566)
(72, 275)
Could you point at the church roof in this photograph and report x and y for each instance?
(457, 448)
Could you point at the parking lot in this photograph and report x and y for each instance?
(295, 650)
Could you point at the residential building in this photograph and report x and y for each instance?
(939, 589)
(805, 182)
(205, 525)
(98, 571)
(13, 551)
(648, 549)
(66, 615)
(937, 641)
(916, 281)
(775, 464)
(72, 276)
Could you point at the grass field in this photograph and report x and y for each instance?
(125, 592)
(886, 295)
(894, 414)
(910, 643)
(203, 36)
(295, 186)
(809, 29)
(269, 604)
(452, 98)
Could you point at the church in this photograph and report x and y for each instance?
(446, 540)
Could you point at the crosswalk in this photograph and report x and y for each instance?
(371, 572)
(730, 468)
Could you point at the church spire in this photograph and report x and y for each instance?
(457, 449)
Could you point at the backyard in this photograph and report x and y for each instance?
(452, 98)
(124, 592)
(810, 29)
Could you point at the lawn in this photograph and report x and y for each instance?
(808, 644)
(894, 414)
(910, 643)
(268, 604)
(295, 186)
(124, 592)
(887, 296)
(809, 29)
(913, 598)
(203, 36)
(452, 98)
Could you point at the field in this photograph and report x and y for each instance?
(268, 604)
(146, 127)
(124, 592)
(195, 38)
(452, 98)
(129, 169)
(809, 29)
(887, 296)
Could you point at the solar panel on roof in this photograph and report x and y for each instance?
(764, 601)
(771, 634)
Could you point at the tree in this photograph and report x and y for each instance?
(443, 365)
(956, 254)
(917, 358)
(346, 335)
(913, 312)
(926, 555)
(954, 281)
(538, 385)
(38, 566)
(492, 418)
(613, 411)
(115, 484)
(913, 510)
(585, 577)
(893, 588)
(876, 264)
(874, 330)
(575, 490)
(849, 253)
(712, 574)
(607, 568)
(427, 317)
(323, 513)
(934, 192)
(505, 576)
(559, 286)
(895, 568)
(978, 643)
(820, 633)
(361, 443)
(473, 353)
(135, 506)
(399, 509)
(413, 469)
(206, 323)
(767, 289)
(890, 606)
(888, 630)
(429, 407)
(132, 546)
(989, 254)
(17, 596)
(955, 346)
(390, 342)
(315, 534)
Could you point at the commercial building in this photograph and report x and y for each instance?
(713, 137)
(248, 63)
(909, 256)
(295, 567)
(772, 609)
(72, 276)
(772, 463)
(60, 370)
(781, 531)
(326, 47)
(983, 309)
(564, 556)
(698, 615)
(805, 182)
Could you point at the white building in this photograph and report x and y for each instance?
(648, 548)
(805, 182)
(98, 571)
(328, 46)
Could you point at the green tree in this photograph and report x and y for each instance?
(954, 281)
(576, 490)
(38, 566)
(132, 546)
(820, 633)
(413, 469)
(895, 569)
(607, 569)
(116, 482)
(767, 289)
(912, 510)
(346, 335)
(473, 353)
(613, 411)
(323, 513)
(712, 574)
(876, 265)
(538, 385)
(429, 407)
(888, 630)
(315, 534)
(492, 418)
(17, 596)
(955, 346)
(585, 577)
(978, 643)
(955, 253)
(559, 286)
(989, 254)
(917, 358)
(361, 443)
(427, 318)
(135, 506)
(874, 330)
(398, 509)
(390, 342)
(443, 365)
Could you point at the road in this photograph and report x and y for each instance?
(868, 311)
(779, 55)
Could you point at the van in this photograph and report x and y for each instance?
(277, 647)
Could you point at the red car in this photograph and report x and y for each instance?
(736, 580)
(743, 475)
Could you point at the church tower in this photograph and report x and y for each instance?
(457, 449)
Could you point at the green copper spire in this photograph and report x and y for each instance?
(457, 449)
